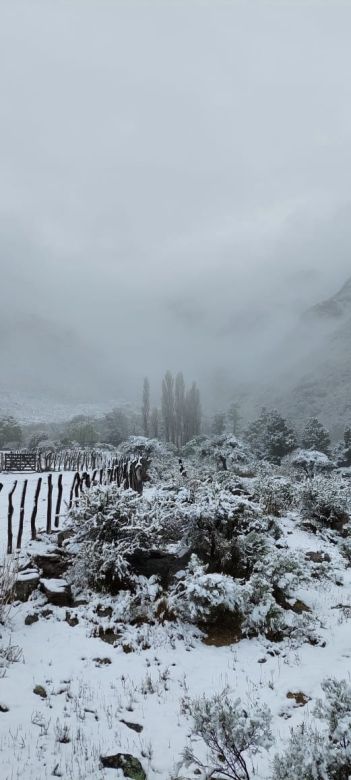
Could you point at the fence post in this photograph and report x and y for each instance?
(9, 520)
(59, 501)
(21, 520)
(49, 507)
(35, 509)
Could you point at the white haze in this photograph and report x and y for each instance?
(174, 187)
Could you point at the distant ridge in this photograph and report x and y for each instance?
(336, 307)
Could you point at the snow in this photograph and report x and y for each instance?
(149, 676)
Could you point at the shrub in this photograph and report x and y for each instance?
(326, 502)
(231, 733)
(325, 755)
(203, 598)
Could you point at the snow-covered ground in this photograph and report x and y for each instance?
(96, 699)
(94, 689)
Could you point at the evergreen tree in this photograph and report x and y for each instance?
(146, 407)
(10, 431)
(271, 437)
(218, 424)
(234, 417)
(316, 437)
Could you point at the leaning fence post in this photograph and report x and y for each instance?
(9, 520)
(58, 502)
(72, 492)
(35, 509)
(49, 507)
(21, 520)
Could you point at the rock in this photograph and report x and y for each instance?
(159, 563)
(131, 767)
(39, 690)
(58, 592)
(299, 607)
(318, 557)
(30, 619)
(63, 535)
(133, 726)
(102, 661)
(27, 581)
(300, 698)
(46, 613)
(108, 635)
(102, 611)
(72, 620)
(52, 564)
(4, 708)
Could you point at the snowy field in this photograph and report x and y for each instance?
(8, 480)
(96, 679)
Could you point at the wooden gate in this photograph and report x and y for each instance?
(21, 461)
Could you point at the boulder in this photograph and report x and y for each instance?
(131, 766)
(165, 565)
(39, 690)
(52, 564)
(30, 619)
(27, 581)
(58, 592)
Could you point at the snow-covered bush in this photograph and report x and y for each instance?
(8, 572)
(276, 495)
(204, 598)
(323, 755)
(262, 614)
(305, 757)
(311, 462)
(231, 732)
(326, 502)
(110, 525)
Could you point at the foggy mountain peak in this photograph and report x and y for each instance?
(335, 307)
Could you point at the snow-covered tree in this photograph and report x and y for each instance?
(270, 436)
(168, 406)
(179, 409)
(218, 424)
(315, 436)
(234, 418)
(146, 407)
(155, 423)
(311, 462)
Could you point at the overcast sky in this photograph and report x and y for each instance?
(172, 173)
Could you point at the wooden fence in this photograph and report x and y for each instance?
(49, 460)
(129, 474)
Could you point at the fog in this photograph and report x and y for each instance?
(174, 188)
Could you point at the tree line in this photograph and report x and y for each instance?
(179, 419)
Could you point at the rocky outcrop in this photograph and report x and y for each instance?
(27, 582)
(57, 591)
(159, 563)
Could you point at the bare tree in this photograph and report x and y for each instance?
(179, 409)
(168, 406)
(192, 412)
(155, 423)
